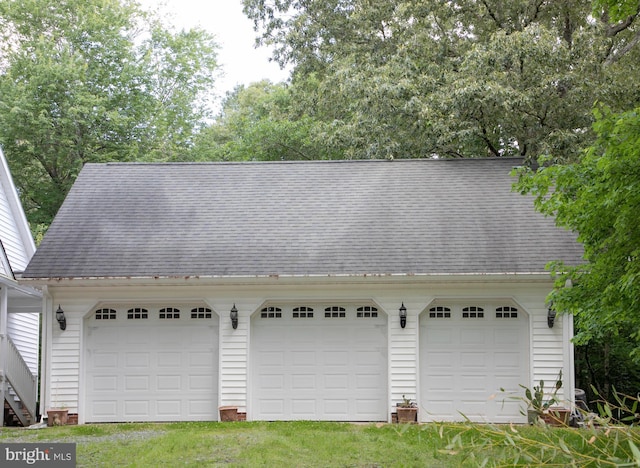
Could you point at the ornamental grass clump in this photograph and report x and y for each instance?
(609, 437)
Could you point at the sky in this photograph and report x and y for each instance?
(241, 62)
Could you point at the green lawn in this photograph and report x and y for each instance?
(321, 444)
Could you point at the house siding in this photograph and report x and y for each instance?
(16, 251)
(15, 235)
(11, 240)
(547, 349)
(23, 330)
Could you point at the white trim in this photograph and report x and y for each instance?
(231, 280)
(569, 358)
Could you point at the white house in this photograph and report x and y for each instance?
(278, 288)
(20, 308)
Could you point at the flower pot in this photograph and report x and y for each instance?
(57, 417)
(407, 415)
(228, 413)
(556, 416)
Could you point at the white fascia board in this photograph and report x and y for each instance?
(289, 279)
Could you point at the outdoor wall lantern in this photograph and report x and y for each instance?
(403, 316)
(234, 317)
(62, 320)
(551, 316)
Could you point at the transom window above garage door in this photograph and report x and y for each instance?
(366, 312)
(105, 314)
(169, 313)
(315, 311)
(440, 312)
(480, 311)
(201, 313)
(151, 311)
(137, 313)
(473, 312)
(302, 312)
(335, 312)
(271, 312)
(506, 312)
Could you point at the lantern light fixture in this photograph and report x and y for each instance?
(234, 316)
(403, 315)
(62, 320)
(551, 316)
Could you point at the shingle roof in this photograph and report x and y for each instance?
(298, 218)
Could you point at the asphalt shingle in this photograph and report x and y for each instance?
(299, 218)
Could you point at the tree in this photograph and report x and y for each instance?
(91, 81)
(463, 78)
(260, 122)
(598, 196)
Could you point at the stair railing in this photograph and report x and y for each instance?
(19, 376)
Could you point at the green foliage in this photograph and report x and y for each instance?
(606, 362)
(456, 79)
(598, 197)
(536, 398)
(93, 81)
(605, 440)
(260, 122)
(616, 10)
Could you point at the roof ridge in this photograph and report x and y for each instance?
(313, 161)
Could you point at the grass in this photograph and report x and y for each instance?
(305, 444)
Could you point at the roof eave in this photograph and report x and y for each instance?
(289, 278)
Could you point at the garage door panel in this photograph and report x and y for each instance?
(153, 375)
(169, 359)
(201, 360)
(104, 408)
(465, 361)
(105, 360)
(169, 408)
(472, 337)
(135, 359)
(330, 368)
(136, 409)
(304, 382)
(136, 383)
(304, 408)
(337, 382)
(169, 383)
(474, 360)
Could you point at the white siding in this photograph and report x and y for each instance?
(17, 249)
(547, 348)
(23, 330)
(234, 346)
(10, 237)
(403, 349)
(14, 230)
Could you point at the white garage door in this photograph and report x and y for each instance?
(141, 367)
(466, 355)
(316, 364)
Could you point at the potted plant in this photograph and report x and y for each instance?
(229, 413)
(407, 411)
(539, 404)
(57, 415)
